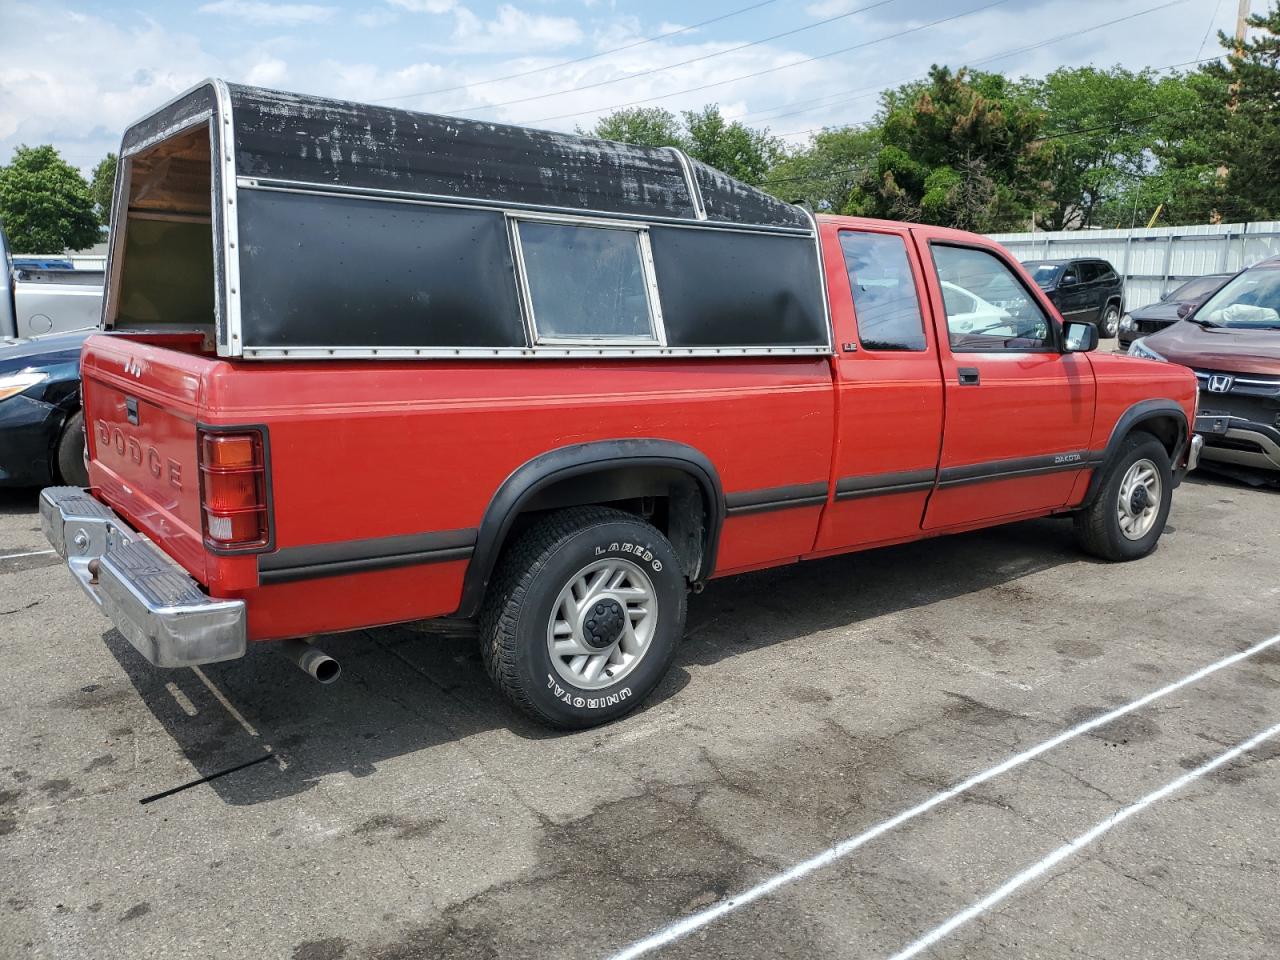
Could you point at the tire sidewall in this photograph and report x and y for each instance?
(69, 453)
(563, 703)
(1110, 320)
(1147, 449)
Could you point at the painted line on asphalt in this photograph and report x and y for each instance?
(844, 848)
(32, 553)
(1067, 849)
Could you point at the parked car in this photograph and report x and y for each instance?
(1177, 303)
(550, 382)
(39, 301)
(1232, 342)
(41, 263)
(1084, 289)
(41, 424)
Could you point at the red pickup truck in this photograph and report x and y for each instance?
(365, 366)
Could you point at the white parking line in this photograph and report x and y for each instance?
(1067, 849)
(33, 553)
(842, 849)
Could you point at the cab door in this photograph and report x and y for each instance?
(1019, 411)
(888, 387)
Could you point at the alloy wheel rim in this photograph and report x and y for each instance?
(602, 623)
(1111, 322)
(1139, 499)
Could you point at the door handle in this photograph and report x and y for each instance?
(969, 376)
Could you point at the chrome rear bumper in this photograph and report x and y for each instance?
(151, 600)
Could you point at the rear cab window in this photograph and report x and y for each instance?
(885, 302)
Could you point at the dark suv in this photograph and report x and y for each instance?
(1082, 290)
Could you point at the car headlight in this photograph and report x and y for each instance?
(1126, 323)
(1139, 348)
(15, 383)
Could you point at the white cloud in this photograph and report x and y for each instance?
(512, 29)
(267, 72)
(425, 6)
(270, 13)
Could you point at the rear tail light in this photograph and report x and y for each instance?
(233, 490)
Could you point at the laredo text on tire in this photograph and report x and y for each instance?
(1126, 518)
(582, 619)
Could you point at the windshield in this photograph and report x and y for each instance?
(1251, 299)
(1196, 289)
(1043, 273)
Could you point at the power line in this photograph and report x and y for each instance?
(670, 66)
(785, 66)
(989, 59)
(592, 56)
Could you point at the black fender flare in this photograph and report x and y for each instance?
(1135, 416)
(576, 460)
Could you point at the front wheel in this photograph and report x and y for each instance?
(1127, 516)
(583, 617)
(1110, 325)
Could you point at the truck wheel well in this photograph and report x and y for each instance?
(1163, 419)
(1165, 429)
(669, 484)
(666, 497)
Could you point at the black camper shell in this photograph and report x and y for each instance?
(286, 226)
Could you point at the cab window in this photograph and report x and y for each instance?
(987, 308)
(884, 291)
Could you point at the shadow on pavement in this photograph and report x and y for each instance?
(408, 688)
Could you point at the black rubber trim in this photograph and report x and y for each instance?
(359, 556)
(775, 498)
(584, 458)
(1141, 411)
(1018, 467)
(882, 484)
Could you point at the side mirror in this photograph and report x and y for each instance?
(1185, 309)
(1081, 337)
(1068, 280)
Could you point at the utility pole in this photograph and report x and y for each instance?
(1242, 29)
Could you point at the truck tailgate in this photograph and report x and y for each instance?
(141, 405)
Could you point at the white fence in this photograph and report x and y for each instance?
(1154, 261)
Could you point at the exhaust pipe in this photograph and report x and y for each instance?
(311, 660)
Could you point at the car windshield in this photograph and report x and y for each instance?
(1251, 299)
(1043, 273)
(1196, 289)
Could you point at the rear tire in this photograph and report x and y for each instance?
(583, 616)
(1128, 515)
(70, 453)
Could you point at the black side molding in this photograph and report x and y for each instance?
(880, 484)
(1018, 467)
(358, 556)
(775, 498)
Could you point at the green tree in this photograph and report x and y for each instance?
(731, 146)
(828, 172)
(101, 185)
(960, 149)
(1247, 142)
(740, 151)
(45, 203)
(643, 126)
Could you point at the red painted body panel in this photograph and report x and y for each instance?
(369, 449)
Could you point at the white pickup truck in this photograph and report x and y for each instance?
(34, 303)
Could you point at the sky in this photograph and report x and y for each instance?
(76, 74)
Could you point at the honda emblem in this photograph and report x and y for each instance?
(1219, 383)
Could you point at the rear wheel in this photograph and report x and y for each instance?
(1127, 516)
(70, 452)
(583, 617)
(1110, 324)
